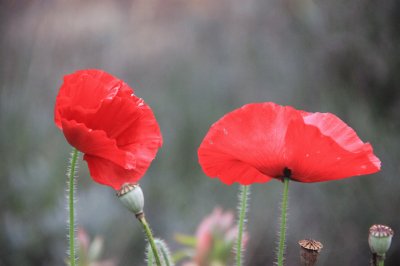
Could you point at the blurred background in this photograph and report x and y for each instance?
(193, 61)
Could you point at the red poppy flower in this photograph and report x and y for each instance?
(261, 141)
(102, 117)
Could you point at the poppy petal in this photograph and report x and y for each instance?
(147, 151)
(117, 115)
(231, 170)
(330, 125)
(86, 89)
(96, 142)
(265, 139)
(248, 140)
(315, 157)
(108, 173)
(101, 116)
(145, 130)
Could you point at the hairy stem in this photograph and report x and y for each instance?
(282, 234)
(150, 258)
(242, 210)
(166, 256)
(71, 206)
(162, 247)
(150, 237)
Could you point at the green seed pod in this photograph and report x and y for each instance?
(131, 195)
(380, 238)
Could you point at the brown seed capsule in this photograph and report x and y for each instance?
(126, 188)
(309, 250)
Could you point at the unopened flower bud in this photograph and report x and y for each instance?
(131, 196)
(380, 238)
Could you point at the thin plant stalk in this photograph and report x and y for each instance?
(377, 260)
(282, 234)
(162, 247)
(150, 257)
(166, 256)
(71, 206)
(242, 210)
(150, 238)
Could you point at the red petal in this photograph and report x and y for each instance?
(330, 125)
(96, 142)
(107, 173)
(145, 149)
(127, 120)
(115, 116)
(258, 141)
(143, 132)
(335, 152)
(100, 115)
(230, 170)
(87, 89)
(248, 144)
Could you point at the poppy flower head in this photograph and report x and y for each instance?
(102, 117)
(261, 141)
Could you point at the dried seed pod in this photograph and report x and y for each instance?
(309, 251)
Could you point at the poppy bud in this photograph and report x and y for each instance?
(131, 196)
(380, 238)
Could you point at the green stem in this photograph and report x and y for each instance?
(150, 237)
(150, 257)
(242, 208)
(381, 262)
(71, 206)
(283, 221)
(166, 257)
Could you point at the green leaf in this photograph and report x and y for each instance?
(186, 240)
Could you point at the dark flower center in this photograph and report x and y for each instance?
(287, 173)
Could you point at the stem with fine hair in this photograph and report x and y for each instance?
(282, 234)
(162, 247)
(71, 205)
(242, 210)
(150, 238)
(150, 257)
